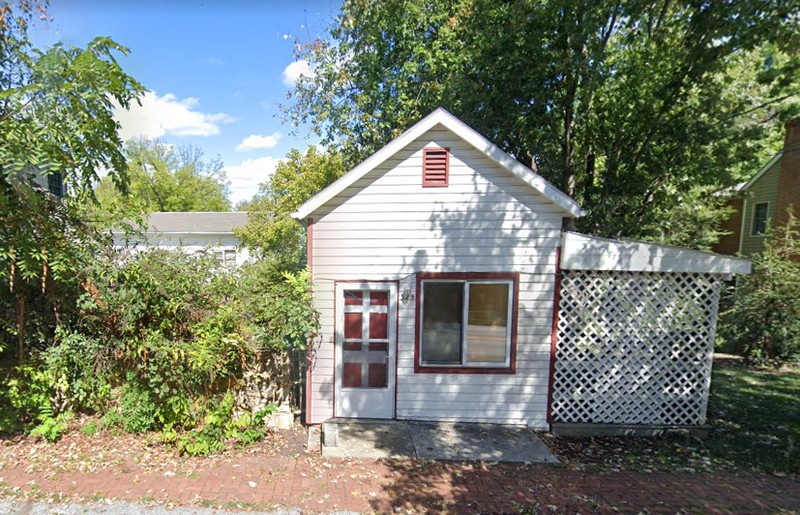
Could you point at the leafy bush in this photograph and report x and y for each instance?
(765, 319)
(29, 391)
(91, 428)
(137, 408)
(162, 341)
(51, 428)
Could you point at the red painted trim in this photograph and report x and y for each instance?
(309, 383)
(310, 352)
(430, 182)
(310, 244)
(554, 336)
(512, 368)
(396, 345)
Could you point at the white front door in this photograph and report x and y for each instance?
(365, 349)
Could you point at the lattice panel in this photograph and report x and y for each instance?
(635, 348)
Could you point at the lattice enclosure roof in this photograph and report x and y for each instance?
(634, 348)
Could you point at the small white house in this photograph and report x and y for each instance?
(192, 233)
(437, 264)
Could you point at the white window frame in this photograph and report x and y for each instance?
(465, 324)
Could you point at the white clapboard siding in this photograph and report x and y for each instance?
(386, 226)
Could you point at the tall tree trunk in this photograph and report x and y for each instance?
(20, 325)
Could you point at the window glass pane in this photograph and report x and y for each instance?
(230, 258)
(760, 218)
(442, 310)
(487, 327)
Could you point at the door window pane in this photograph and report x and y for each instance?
(377, 326)
(352, 298)
(352, 375)
(352, 326)
(442, 311)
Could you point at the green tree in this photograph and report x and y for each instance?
(765, 319)
(271, 231)
(629, 107)
(55, 118)
(166, 178)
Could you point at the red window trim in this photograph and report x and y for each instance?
(425, 369)
(428, 182)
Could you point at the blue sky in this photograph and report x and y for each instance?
(215, 70)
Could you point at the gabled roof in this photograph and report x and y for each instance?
(761, 172)
(584, 252)
(442, 117)
(185, 222)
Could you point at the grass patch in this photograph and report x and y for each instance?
(755, 420)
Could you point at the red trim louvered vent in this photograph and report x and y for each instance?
(435, 167)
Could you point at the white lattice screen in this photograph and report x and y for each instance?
(634, 347)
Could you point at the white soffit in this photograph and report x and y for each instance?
(584, 252)
(466, 133)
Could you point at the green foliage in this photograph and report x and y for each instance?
(627, 106)
(137, 407)
(162, 342)
(51, 428)
(91, 428)
(271, 231)
(81, 365)
(282, 313)
(221, 425)
(165, 178)
(56, 117)
(29, 391)
(765, 318)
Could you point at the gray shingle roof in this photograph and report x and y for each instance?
(196, 222)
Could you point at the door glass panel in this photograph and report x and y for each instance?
(379, 298)
(352, 326)
(352, 375)
(352, 298)
(365, 362)
(377, 326)
(487, 329)
(377, 375)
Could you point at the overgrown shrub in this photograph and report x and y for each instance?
(162, 341)
(137, 407)
(765, 318)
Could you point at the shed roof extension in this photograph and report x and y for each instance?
(584, 252)
(442, 117)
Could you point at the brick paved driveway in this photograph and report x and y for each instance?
(313, 484)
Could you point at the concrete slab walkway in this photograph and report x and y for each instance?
(372, 439)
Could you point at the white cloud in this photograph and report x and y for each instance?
(246, 177)
(214, 61)
(256, 141)
(168, 115)
(295, 70)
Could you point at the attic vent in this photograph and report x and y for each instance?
(435, 167)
